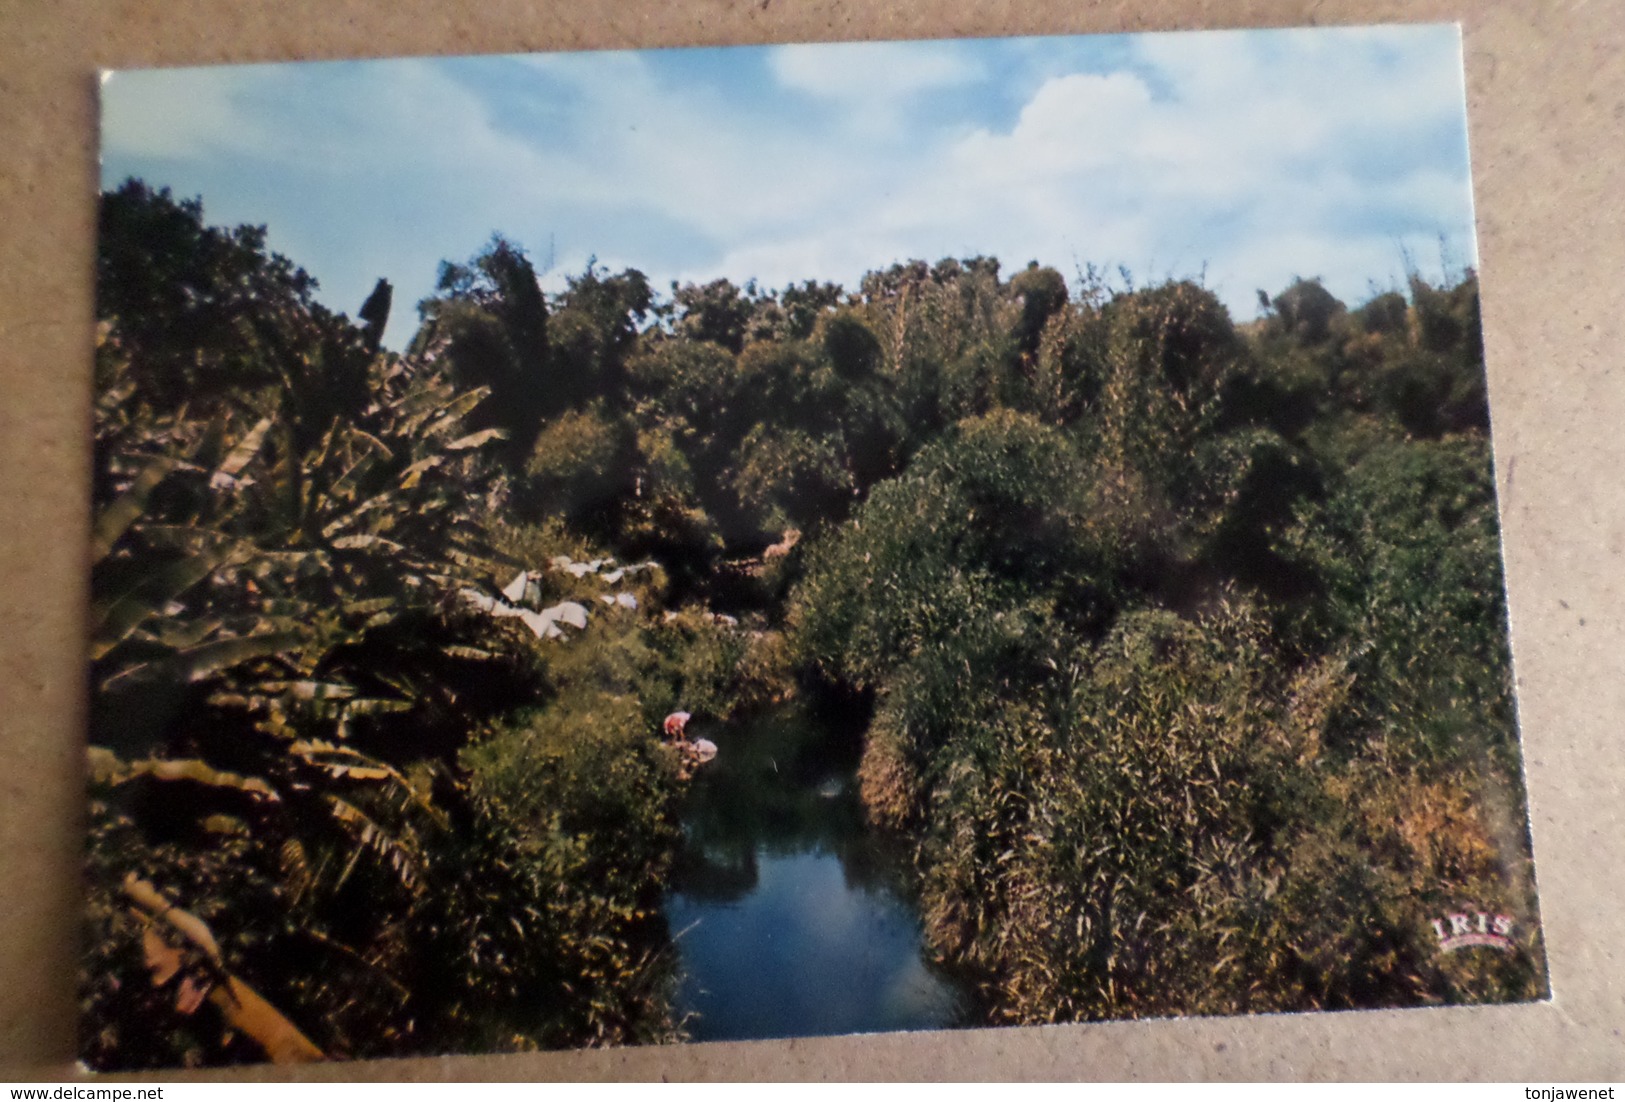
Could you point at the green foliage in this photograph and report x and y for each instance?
(1305, 311)
(1410, 546)
(717, 667)
(1109, 815)
(718, 313)
(948, 333)
(1447, 318)
(687, 382)
(1175, 338)
(285, 669)
(595, 329)
(1070, 368)
(1169, 353)
(1128, 794)
(1185, 645)
(811, 438)
(851, 346)
(1042, 292)
(579, 466)
(575, 801)
(196, 306)
(1438, 386)
(803, 305)
(995, 516)
(793, 475)
(1385, 314)
(274, 650)
(1255, 484)
(491, 324)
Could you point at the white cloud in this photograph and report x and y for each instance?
(590, 69)
(1263, 155)
(1073, 123)
(1264, 133)
(1142, 169)
(176, 113)
(872, 73)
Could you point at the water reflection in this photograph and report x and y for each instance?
(792, 918)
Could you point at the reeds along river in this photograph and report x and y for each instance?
(792, 918)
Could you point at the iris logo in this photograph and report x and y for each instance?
(1468, 928)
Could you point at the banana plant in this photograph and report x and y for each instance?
(273, 624)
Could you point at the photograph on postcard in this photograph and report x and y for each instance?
(756, 542)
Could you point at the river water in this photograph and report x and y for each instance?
(792, 918)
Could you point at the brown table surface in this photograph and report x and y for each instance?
(1546, 91)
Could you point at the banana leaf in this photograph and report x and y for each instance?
(199, 662)
(358, 766)
(113, 620)
(449, 413)
(106, 768)
(243, 1007)
(397, 852)
(116, 519)
(309, 690)
(246, 449)
(414, 474)
(362, 541)
(476, 439)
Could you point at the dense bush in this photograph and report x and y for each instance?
(286, 674)
(994, 517)
(1181, 644)
(1199, 704)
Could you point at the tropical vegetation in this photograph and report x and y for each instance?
(1182, 643)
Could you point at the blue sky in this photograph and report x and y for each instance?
(1247, 157)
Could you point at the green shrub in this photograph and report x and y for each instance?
(717, 313)
(573, 805)
(851, 345)
(1185, 645)
(579, 467)
(1080, 832)
(1409, 546)
(792, 477)
(1042, 292)
(1070, 368)
(994, 518)
(1385, 314)
(1306, 310)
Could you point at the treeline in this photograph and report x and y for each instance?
(1185, 642)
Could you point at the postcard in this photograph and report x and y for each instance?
(705, 544)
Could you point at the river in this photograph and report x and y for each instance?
(792, 918)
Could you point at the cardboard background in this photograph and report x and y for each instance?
(1546, 92)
